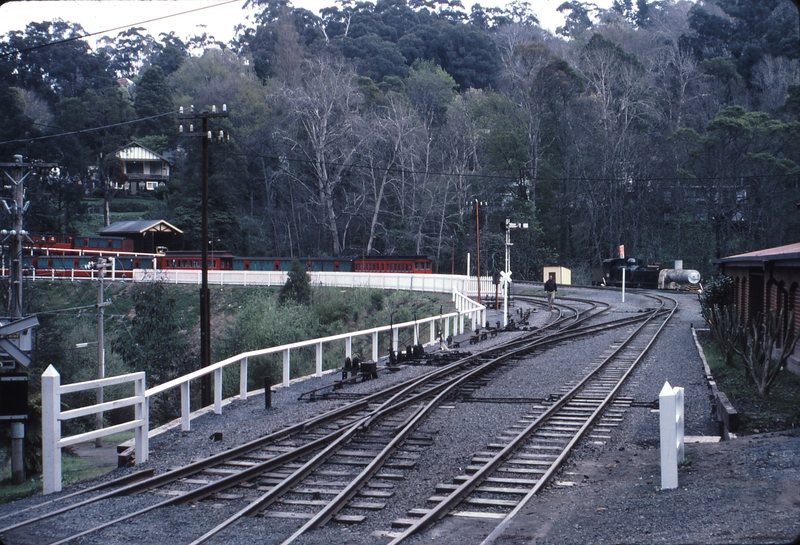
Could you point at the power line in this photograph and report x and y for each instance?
(507, 177)
(125, 27)
(92, 129)
(471, 175)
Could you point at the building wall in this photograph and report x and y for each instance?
(781, 289)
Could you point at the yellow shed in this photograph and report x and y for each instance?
(563, 274)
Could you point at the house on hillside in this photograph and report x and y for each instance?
(145, 169)
(767, 280)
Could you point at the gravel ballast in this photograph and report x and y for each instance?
(742, 491)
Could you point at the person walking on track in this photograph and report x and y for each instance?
(550, 288)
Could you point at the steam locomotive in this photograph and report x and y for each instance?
(638, 275)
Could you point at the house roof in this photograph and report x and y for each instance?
(137, 152)
(786, 253)
(139, 227)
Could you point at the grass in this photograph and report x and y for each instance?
(73, 469)
(777, 412)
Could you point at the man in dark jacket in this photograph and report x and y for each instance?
(550, 288)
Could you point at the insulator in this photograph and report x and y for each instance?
(209, 136)
(180, 110)
(180, 128)
(191, 128)
(221, 135)
(213, 108)
(224, 107)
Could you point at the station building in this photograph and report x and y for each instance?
(767, 280)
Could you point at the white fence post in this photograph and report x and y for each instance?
(670, 404)
(243, 379)
(319, 359)
(286, 368)
(52, 415)
(218, 391)
(51, 431)
(186, 411)
(141, 412)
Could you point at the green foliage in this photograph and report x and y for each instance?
(717, 293)
(767, 343)
(757, 414)
(154, 98)
(156, 344)
(298, 285)
(129, 205)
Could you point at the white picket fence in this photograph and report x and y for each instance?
(52, 416)
(670, 405)
(451, 323)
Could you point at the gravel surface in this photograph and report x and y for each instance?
(742, 491)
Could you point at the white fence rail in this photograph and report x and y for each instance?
(451, 323)
(52, 416)
(670, 405)
(448, 324)
(441, 283)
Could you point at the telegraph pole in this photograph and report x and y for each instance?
(205, 303)
(15, 336)
(100, 266)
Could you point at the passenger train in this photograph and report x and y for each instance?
(72, 255)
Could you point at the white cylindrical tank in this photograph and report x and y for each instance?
(666, 277)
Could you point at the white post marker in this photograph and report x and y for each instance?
(622, 256)
(505, 280)
(670, 405)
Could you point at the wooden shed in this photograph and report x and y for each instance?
(148, 235)
(563, 275)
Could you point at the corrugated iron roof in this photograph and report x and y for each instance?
(778, 253)
(138, 152)
(139, 227)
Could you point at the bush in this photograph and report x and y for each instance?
(718, 292)
(129, 205)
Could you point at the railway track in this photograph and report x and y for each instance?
(346, 461)
(509, 473)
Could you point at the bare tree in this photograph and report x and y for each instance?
(322, 119)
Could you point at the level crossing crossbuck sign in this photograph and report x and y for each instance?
(15, 339)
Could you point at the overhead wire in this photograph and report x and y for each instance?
(471, 175)
(124, 27)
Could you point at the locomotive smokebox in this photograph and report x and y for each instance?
(670, 278)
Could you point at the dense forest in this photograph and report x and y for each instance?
(672, 127)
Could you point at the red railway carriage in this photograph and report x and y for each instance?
(81, 242)
(217, 261)
(411, 264)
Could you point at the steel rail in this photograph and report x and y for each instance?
(544, 479)
(455, 497)
(397, 391)
(389, 407)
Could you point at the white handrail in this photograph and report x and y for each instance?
(52, 416)
(464, 307)
(52, 389)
